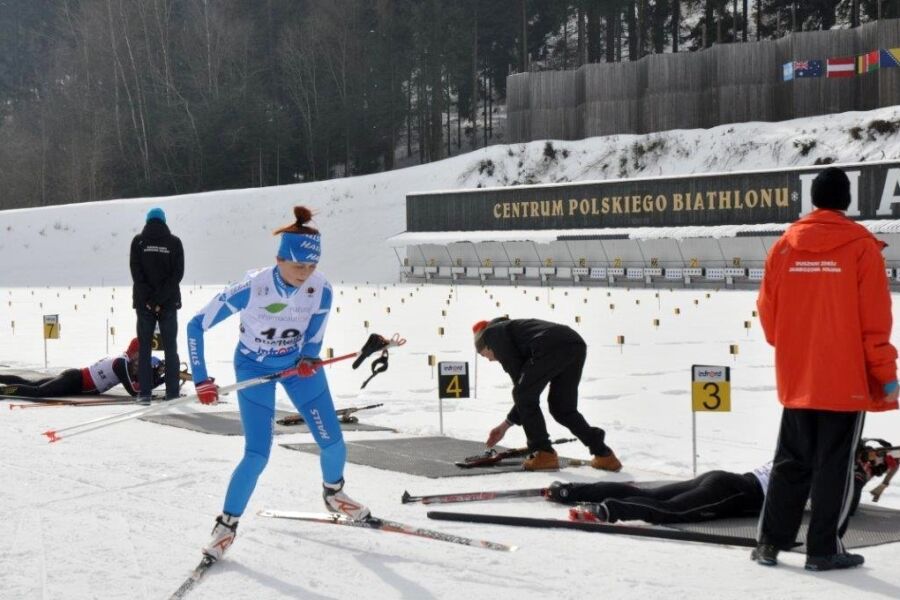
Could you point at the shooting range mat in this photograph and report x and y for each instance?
(425, 456)
(869, 526)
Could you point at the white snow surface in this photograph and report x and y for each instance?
(122, 512)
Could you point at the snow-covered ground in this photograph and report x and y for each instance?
(122, 512)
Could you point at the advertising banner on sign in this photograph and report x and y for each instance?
(776, 196)
(711, 389)
(51, 327)
(453, 380)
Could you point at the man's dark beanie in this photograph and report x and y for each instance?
(831, 189)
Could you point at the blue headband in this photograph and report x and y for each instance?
(300, 247)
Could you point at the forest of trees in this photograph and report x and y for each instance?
(121, 98)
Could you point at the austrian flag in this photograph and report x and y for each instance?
(841, 67)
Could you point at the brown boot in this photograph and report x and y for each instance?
(541, 460)
(607, 463)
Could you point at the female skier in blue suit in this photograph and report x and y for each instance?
(284, 309)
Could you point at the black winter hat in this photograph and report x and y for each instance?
(831, 189)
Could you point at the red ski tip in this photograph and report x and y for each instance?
(52, 435)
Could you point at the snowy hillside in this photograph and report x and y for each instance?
(226, 233)
(121, 513)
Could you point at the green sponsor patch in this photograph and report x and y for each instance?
(276, 308)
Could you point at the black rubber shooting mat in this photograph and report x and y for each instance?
(869, 526)
(28, 373)
(229, 423)
(424, 456)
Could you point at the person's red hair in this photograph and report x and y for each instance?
(303, 216)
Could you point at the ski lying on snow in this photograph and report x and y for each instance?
(195, 576)
(648, 531)
(385, 525)
(407, 498)
(109, 400)
(53, 404)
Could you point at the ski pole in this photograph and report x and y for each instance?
(37, 405)
(94, 424)
(124, 401)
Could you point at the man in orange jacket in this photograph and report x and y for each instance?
(825, 306)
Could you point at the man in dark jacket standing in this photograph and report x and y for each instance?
(535, 353)
(157, 266)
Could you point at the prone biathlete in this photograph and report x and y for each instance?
(709, 496)
(97, 378)
(283, 313)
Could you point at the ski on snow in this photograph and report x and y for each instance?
(408, 498)
(195, 576)
(635, 530)
(385, 525)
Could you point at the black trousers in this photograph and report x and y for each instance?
(712, 495)
(168, 331)
(814, 459)
(560, 369)
(67, 383)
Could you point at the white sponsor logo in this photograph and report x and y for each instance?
(317, 419)
(453, 368)
(815, 266)
(195, 360)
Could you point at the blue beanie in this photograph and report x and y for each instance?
(156, 213)
(300, 247)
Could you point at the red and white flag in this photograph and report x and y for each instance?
(844, 66)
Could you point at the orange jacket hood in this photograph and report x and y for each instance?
(824, 230)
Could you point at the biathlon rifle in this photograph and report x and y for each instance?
(344, 414)
(492, 456)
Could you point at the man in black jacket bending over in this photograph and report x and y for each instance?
(157, 266)
(535, 353)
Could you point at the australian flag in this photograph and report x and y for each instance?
(809, 68)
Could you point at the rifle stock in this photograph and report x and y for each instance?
(343, 413)
(491, 456)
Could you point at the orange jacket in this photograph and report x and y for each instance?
(825, 306)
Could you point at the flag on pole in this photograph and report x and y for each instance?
(787, 71)
(890, 57)
(843, 66)
(868, 62)
(808, 68)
